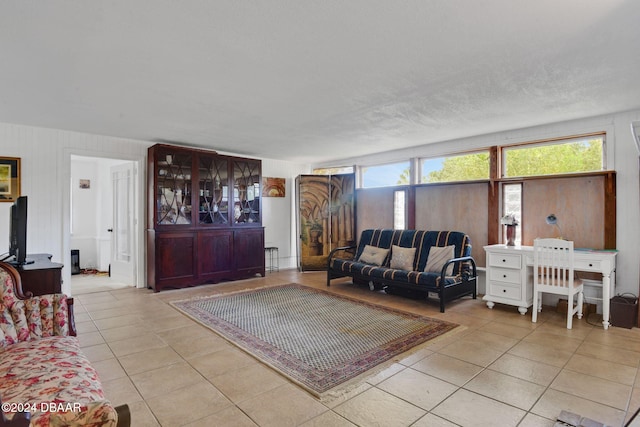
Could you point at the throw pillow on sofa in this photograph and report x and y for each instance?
(402, 258)
(373, 255)
(438, 256)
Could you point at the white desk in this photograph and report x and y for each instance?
(510, 280)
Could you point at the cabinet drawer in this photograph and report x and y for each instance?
(506, 291)
(505, 260)
(505, 275)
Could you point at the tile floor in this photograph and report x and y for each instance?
(499, 370)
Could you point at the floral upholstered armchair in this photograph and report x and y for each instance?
(45, 379)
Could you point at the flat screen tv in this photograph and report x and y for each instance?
(18, 232)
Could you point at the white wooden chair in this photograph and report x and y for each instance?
(553, 274)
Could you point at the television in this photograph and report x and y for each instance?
(18, 232)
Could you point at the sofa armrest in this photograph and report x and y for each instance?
(341, 249)
(20, 419)
(16, 281)
(465, 272)
(71, 318)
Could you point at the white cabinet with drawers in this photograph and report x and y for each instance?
(507, 282)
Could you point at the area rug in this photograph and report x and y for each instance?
(317, 339)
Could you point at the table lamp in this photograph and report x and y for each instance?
(553, 220)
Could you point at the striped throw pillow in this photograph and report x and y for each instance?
(437, 257)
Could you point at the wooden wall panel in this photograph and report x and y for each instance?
(456, 207)
(374, 208)
(577, 202)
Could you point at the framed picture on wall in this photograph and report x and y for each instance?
(9, 179)
(273, 187)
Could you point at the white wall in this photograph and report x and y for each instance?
(622, 156)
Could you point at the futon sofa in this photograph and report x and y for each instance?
(413, 260)
(45, 379)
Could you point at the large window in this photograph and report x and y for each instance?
(463, 167)
(386, 175)
(581, 154)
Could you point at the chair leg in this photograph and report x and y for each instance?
(580, 302)
(569, 311)
(539, 301)
(534, 309)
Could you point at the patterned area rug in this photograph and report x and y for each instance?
(317, 339)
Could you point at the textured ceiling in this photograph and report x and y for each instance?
(311, 81)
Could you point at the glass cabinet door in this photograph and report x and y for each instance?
(246, 192)
(213, 186)
(173, 191)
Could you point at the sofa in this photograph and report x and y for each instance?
(414, 261)
(45, 379)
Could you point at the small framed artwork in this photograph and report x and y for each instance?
(9, 179)
(273, 187)
(85, 183)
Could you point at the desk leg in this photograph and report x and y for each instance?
(606, 296)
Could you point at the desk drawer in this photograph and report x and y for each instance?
(505, 275)
(506, 291)
(505, 260)
(584, 265)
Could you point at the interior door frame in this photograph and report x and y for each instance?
(139, 188)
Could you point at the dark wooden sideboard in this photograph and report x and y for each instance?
(42, 276)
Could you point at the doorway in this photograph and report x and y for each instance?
(95, 218)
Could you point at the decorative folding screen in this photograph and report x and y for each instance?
(326, 217)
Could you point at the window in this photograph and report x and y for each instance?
(512, 204)
(463, 167)
(572, 155)
(399, 210)
(386, 175)
(333, 171)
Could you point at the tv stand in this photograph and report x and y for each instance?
(40, 276)
(17, 264)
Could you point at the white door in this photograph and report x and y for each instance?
(123, 239)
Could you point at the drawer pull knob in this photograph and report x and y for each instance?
(504, 290)
(504, 260)
(504, 275)
(590, 265)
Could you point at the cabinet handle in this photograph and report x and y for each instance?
(504, 260)
(504, 290)
(590, 265)
(504, 275)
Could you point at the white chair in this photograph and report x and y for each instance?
(553, 274)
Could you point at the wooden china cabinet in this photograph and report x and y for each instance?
(204, 221)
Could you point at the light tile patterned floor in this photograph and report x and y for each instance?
(501, 370)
